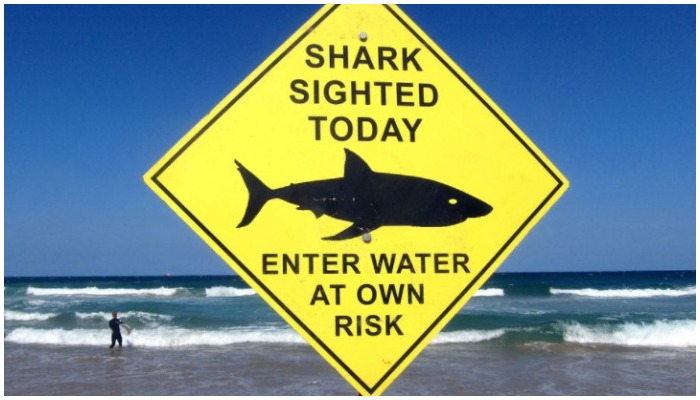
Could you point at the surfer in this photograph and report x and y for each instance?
(116, 332)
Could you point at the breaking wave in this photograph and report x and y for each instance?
(158, 337)
(467, 336)
(627, 293)
(25, 316)
(655, 334)
(142, 316)
(491, 292)
(223, 291)
(94, 291)
(181, 338)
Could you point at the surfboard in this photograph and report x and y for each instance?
(127, 328)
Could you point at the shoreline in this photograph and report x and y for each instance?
(286, 370)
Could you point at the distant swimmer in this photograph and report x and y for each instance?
(114, 325)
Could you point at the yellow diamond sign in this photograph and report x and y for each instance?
(362, 184)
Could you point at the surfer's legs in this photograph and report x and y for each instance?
(118, 338)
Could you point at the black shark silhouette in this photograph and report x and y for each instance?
(369, 199)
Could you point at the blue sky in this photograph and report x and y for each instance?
(95, 95)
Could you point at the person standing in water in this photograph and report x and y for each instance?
(116, 332)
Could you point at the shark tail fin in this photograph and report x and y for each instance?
(258, 195)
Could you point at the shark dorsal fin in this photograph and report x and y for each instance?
(355, 167)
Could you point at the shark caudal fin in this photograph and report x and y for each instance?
(258, 195)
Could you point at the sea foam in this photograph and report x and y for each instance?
(656, 334)
(24, 316)
(467, 336)
(94, 291)
(157, 337)
(627, 293)
(182, 338)
(223, 291)
(138, 315)
(490, 292)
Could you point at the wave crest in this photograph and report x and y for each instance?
(94, 291)
(157, 337)
(656, 334)
(139, 315)
(490, 292)
(23, 316)
(467, 336)
(627, 293)
(224, 291)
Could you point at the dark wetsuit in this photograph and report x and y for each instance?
(116, 333)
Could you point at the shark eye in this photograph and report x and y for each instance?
(452, 201)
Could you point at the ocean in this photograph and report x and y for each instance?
(592, 333)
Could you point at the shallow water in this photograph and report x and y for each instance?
(290, 369)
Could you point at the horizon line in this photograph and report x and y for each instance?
(233, 274)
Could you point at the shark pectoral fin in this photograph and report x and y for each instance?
(317, 213)
(353, 231)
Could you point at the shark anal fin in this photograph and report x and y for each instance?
(353, 231)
